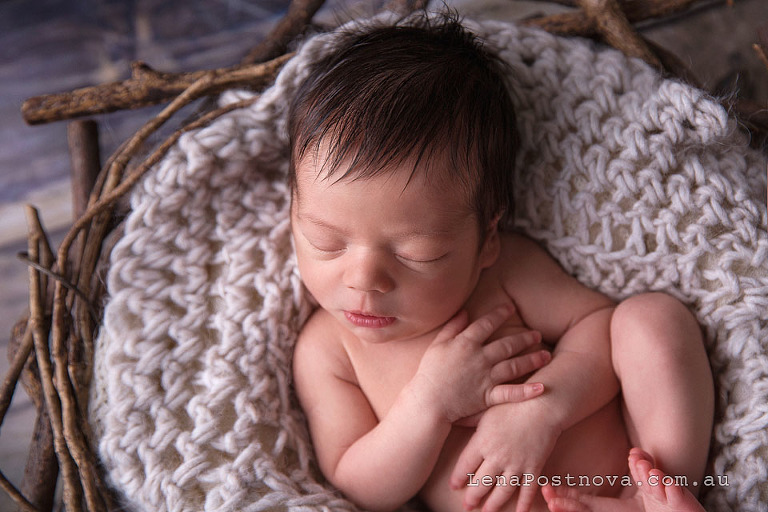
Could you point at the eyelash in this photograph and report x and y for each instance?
(432, 260)
(329, 252)
(324, 251)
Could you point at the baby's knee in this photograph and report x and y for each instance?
(653, 305)
(657, 319)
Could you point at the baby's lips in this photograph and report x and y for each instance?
(364, 320)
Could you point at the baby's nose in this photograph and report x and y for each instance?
(368, 272)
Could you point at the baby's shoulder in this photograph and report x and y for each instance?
(320, 347)
(524, 267)
(518, 253)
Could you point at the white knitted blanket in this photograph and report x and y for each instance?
(632, 182)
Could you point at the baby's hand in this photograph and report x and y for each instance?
(512, 442)
(462, 376)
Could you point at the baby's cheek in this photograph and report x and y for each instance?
(315, 282)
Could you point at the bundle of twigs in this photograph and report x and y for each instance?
(52, 348)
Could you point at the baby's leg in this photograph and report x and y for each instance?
(667, 400)
(666, 383)
(659, 495)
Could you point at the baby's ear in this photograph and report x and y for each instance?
(489, 252)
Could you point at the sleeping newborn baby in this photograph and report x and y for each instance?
(449, 359)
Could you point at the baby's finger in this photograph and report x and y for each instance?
(481, 484)
(526, 497)
(511, 393)
(508, 346)
(519, 366)
(468, 462)
(499, 497)
(453, 327)
(479, 330)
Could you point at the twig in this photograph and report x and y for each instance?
(292, 25)
(640, 10)
(42, 469)
(577, 23)
(11, 378)
(614, 27)
(145, 87)
(14, 493)
(761, 54)
(69, 471)
(83, 139)
(41, 459)
(79, 473)
(25, 257)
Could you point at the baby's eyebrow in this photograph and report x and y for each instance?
(319, 222)
(427, 233)
(410, 234)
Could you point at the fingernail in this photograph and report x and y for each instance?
(537, 387)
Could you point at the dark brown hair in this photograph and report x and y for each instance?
(424, 90)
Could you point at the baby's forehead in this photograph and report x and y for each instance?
(435, 176)
(405, 209)
(446, 201)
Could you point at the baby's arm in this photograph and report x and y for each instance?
(518, 438)
(577, 321)
(380, 464)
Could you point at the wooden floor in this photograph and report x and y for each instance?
(55, 45)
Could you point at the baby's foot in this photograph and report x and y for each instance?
(568, 499)
(648, 498)
(660, 496)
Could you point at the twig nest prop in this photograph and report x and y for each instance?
(634, 183)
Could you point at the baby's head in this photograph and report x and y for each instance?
(426, 92)
(402, 147)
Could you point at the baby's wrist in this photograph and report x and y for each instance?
(426, 401)
(539, 411)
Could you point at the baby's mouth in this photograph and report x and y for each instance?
(360, 319)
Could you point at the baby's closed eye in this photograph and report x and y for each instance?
(422, 258)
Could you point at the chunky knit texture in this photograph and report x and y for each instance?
(632, 182)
